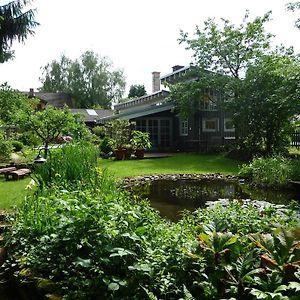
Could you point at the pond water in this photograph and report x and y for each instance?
(171, 197)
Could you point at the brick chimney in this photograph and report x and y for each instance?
(155, 82)
(31, 93)
(177, 67)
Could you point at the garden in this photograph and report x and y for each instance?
(84, 224)
(79, 235)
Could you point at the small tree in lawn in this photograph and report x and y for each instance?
(50, 123)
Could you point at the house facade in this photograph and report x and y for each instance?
(208, 128)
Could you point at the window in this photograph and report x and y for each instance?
(183, 127)
(228, 125)
(210, 125)
(209, 100)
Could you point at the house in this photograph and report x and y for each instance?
(58, 99)
(91, 117)
(207, 129)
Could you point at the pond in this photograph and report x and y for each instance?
(171, 197)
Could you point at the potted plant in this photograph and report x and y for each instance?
(140, 141)
(119, 131)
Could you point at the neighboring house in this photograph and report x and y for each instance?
(60, 99)
(92, 117)
(208, 128)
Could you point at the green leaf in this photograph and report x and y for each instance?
(86, 263)
(294, 286)
(113, 286)
(258, 294)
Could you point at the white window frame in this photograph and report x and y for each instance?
(204, 129)
(228, 129)
(184, 127)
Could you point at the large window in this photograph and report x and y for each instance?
(228, 125)
(183, 127)
(210, 124)
(159, 130)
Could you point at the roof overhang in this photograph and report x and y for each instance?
(153, 109)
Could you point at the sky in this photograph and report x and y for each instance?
(138, 36)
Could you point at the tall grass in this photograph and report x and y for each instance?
(70, 165)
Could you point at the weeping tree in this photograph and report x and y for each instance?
(16, 24)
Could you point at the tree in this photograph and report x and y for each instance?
(50, 123)
(222, 54)
(15, 24)
(90, 80)
(11, 102)
(293, 6)
(225, 60)
(137, 90)
(269, 99)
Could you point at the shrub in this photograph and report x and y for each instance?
(105, 146)
(270, 171)
(17, 146)
(99, 131)
(295, 169)
(5, 149)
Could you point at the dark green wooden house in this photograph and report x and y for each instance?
(207, 129)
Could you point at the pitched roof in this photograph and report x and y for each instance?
(58, 99)
(92, 115)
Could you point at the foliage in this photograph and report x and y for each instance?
(50, 123)
(295, 169)
(11, 101)
(293, 6)
(103, 244)
(6, 148)
(71, 165)
(105, 146)
(222, 54)
(140, 140)
(17, 146)
(229, 50)
(29, 138)
(234, 61)
(119, 133)
(15, 24)
(270, 171)
(136, 90)
(268, 101)
(90, 79)
(99, 131)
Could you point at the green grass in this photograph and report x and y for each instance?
(12, 192)
(179, 163)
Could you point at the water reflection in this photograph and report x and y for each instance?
(171, 197)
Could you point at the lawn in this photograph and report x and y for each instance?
(179, 163)
(11, 192)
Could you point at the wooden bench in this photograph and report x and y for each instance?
(17, 174)
(7, 170)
